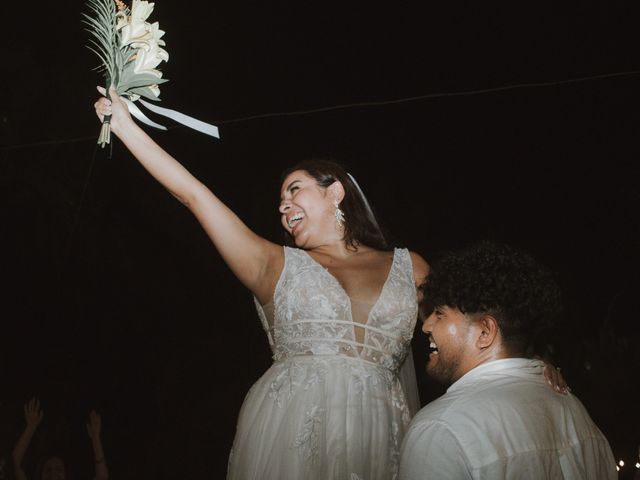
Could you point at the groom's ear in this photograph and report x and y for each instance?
(488, 331)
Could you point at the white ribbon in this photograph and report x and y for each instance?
(186, 120)
(136, 112)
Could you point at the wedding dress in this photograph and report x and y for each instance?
(338, 399)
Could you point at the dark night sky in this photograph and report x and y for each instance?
(114, 297)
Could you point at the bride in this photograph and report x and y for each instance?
(338, 306)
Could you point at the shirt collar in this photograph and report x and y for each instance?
(521, 367)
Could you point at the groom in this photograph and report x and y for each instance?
(498, 419)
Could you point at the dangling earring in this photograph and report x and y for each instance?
(339, 214)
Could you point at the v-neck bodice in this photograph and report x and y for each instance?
(359, 310)
(311, 313)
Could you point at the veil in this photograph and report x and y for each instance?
(407, 374)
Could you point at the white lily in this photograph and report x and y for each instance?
(157, 33)
(147, 60)
(136, 33)
(122, 19)
(140, 10)
(155, 90)
(151, 91)
(142, 35)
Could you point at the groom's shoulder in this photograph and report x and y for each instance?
(441, 410)
(456, 408)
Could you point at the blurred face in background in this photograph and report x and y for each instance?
(53, 469)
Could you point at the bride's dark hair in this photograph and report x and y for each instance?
(360, 227)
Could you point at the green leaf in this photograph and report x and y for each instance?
(101, 27)
(140, 80)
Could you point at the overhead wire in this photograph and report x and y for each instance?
(427, 96)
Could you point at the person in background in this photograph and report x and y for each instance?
(54, 467)
(94, 427)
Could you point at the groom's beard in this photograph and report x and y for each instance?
(444, 365)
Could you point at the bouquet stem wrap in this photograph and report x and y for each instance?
(105, 132)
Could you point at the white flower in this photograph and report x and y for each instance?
(147, 59)
(140, 42)
(140, 10)
(121, 19)
(153, 36)
(149, 91)
(155, 90)
(157, 33)
(136, 31)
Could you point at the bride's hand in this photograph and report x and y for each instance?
(114, 107)
(555, 379)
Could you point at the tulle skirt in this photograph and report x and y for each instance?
(318, 418)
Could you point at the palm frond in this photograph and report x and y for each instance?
(99, 68)
(102, 28)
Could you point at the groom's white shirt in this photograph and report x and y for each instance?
(502, 420)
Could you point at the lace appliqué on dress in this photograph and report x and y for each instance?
(294, 375)
(307, 440)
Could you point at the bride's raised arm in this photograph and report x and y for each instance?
(256, 261)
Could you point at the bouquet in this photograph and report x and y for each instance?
(129, 48)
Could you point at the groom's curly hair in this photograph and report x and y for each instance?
(496, 279)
